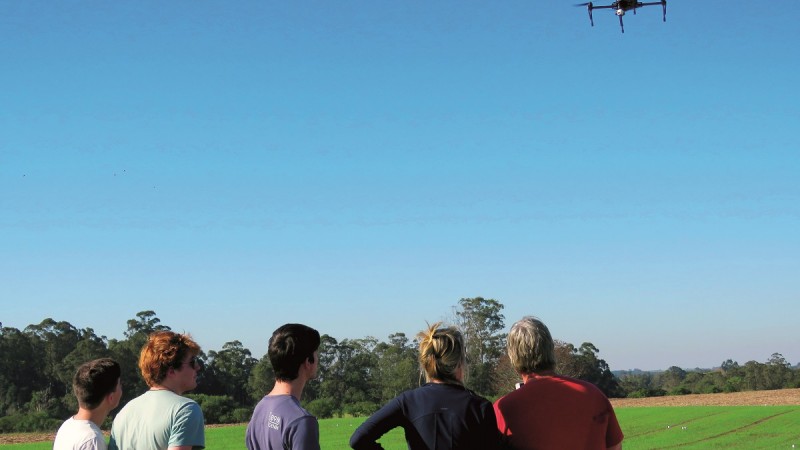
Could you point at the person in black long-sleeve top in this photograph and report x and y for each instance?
(441, 414)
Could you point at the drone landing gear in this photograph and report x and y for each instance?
(621, 12)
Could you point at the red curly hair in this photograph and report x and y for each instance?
(164, 350)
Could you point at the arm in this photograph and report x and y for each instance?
(188, 430)
(616, 447)
(303, 434)
(366, 436)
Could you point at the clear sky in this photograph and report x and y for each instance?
(360, 166)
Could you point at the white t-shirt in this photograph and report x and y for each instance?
(79, 435)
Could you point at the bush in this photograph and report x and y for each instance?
(322, 408)
(238, 415)
(216, 408)
(360, 409)
(29, 423)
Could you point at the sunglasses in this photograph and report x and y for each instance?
(195, 363)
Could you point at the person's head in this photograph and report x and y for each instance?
(442, 354)
(95, 381)
(530, 346)
(167, 351)
(289, 347)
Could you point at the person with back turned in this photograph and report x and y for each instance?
(279, 422)
(441, 414)
(162, 418)
(97, 387)
(549, 411)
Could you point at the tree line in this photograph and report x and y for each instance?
(356, 376)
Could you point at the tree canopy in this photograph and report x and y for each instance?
(356, 376)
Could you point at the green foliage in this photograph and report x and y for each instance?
(261, 379)
(359, 409)
(230, 368)
(219, 408)
(356, 376)
(481, 322)
(323, 408)
(583, 363)
(27, 423)
(776, 373)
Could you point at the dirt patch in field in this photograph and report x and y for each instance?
(22, 438)
(753, 398)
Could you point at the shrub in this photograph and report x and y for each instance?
(28, 423)
(216, 408)
(322, 408)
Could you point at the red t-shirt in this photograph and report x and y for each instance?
(557, 413)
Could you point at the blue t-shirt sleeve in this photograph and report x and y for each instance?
(303, 434)
(187, 428)
(366, 436)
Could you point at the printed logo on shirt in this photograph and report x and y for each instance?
(274, 422)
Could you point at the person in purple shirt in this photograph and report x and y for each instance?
(279, 422)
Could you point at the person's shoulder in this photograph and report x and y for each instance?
(476, 398)
(577, 381)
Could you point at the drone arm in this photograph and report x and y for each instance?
(663, 4)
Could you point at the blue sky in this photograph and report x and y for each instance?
(361, 166)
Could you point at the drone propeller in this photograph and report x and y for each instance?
(591, 6)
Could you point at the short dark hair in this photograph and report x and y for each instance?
(94, 380)
(289, 346)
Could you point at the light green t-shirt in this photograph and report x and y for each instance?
(157, 420)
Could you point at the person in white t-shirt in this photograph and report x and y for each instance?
(98, 388)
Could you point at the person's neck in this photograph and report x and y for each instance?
(166, 386)
(293, 388)
(535, 375)
(97, 415)
(452, 382)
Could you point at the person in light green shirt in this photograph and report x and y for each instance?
(161, 418)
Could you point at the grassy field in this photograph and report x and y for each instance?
(687, 427)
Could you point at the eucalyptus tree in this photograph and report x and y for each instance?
(232, 367)
(482, 322)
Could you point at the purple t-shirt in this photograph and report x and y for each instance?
(280, 423)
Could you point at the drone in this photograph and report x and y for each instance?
(624, 5)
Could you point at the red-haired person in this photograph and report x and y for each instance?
(161, 418)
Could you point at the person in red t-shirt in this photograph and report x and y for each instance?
(550, 411)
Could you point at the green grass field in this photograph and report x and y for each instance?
(690, 427)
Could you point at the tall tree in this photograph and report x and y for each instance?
(261, 381)
(482, 322)
(21, 370)
(53, 342)
(232, 366)
(583, 363)
(397, 367)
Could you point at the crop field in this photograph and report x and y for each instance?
(753, 420)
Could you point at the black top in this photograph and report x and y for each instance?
(434, 417)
